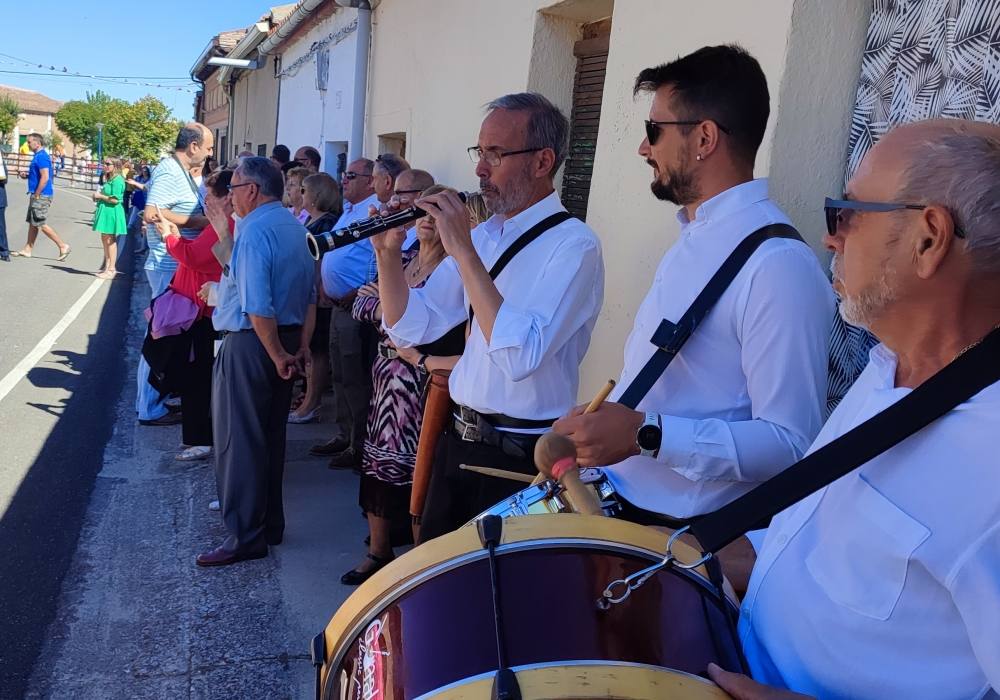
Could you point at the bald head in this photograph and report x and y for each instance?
(413, 182)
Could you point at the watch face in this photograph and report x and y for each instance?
(648, 437)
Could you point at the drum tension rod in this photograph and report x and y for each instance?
(505, 686)
(631, 583)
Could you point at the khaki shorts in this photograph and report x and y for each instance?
(38, 211)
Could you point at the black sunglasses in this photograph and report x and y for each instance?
(243, 184)
(653, 127)
(839, 211)
(350, 175)
(399, 192)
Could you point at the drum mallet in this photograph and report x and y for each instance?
(555, 457)
(499, 473)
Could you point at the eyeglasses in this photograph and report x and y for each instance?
(494, 158)
(230, 188)
(653, 127)
(399, 192)
(839, 211)
(350, 175)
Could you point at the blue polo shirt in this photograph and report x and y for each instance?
(40, 162)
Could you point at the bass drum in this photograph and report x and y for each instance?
(424, 624)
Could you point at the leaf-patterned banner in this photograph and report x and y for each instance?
(924, 59)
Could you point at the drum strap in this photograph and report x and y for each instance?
(670, 337)
(956, 383)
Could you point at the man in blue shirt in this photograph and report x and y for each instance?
(4, 249)
(267, 309)
(40, 193)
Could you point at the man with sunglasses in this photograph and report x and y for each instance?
(343, 272)
(746, 394)
(886, 583)
(529, 324)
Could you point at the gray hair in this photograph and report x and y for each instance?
(264, 173)
(391, 164)
(547, 125)
(957, 165)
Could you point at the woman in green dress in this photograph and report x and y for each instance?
(109, 218)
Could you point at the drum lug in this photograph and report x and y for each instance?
(317, 649)
(505, 686)
(490, 529)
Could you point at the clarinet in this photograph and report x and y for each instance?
(321, 243)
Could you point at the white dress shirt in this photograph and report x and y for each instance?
(345, 269)
(886, 584)
(552, 292)
(747, 393)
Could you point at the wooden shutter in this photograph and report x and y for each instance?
(588, 89)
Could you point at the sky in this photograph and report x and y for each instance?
(144, 38)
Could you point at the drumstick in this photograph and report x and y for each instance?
(591, 407)
(499, 473)
(555, 456)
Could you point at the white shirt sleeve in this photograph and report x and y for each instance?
(975, 587)
(786, 369)
(432, 310)
(567, 293)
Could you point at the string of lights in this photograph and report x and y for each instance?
(179, 84)
(331, 40)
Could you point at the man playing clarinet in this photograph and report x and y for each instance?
(746, 395)
(529, 325)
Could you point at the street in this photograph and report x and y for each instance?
(99, 525)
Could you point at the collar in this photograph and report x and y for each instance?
(261, 210)
(495, 225)
(884, 361)
(370, 199)
(727, 202)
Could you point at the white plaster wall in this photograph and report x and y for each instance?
(255, 108)
(810, 51)
(307, 116)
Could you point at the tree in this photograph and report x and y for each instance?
(138, 131)
(10, 110)
(78, 121)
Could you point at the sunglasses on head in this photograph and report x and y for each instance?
(653, 127)
(839, 212)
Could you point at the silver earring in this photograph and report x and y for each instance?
(698, 157)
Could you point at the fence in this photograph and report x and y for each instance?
(69, 171)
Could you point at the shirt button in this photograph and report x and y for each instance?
(783, 540)
(745, 611)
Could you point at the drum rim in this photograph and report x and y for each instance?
(572, 663)
(530, 532)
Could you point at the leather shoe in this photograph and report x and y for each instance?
(348, 459)
(356, 578)
(325, 449)
(273, 540)
(220, 556)
(167, 418)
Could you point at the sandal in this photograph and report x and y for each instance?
(355, 577)
(63, 254)
(19, 254)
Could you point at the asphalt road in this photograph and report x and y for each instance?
(55, 415)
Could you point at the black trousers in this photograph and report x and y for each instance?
(4, 246)
(249, 416)
(455, 495)
(196, 389)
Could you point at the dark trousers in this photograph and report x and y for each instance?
(4, 246)
(351, 359)
(196, 390)
(455, 495)
(250, 405)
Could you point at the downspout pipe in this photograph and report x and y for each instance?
(356, 147)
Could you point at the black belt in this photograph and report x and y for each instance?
(499, 420)
(471, 426)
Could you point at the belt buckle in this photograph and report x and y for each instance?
(470, 432)
(467, 415)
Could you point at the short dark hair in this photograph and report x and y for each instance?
(35, 136)
(312, 154)
(722, 83)
(218, 182)
(190, 133)
(290, 165)
(281, 153)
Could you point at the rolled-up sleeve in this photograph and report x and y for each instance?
(252, 272)
(784, 338)
(566, 295)
(974, 584)
(432, 310)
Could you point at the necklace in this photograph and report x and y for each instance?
(972, 345)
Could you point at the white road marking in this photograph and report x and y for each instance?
(75, 194)
(22, 368)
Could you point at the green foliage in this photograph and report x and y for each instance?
(52, 140)
(9, 111)
(138, 131)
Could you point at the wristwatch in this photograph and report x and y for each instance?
(422, 363)
(650, 435)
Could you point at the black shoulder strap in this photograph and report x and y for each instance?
(522, 242)
(959, 381)
(669, 337)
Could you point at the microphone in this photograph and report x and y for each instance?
(321, 243)
(555, 457)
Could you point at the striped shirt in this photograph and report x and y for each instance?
(170, 187)
(849, 348)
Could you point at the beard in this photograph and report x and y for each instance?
(866, 307)
(514, 197)
(676, 185)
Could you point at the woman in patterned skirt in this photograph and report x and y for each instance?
(396, 409)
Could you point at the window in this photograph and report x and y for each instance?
(262, 150)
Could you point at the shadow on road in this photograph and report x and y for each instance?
(41, 527)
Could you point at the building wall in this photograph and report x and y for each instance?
(329, 117)
(436, 62)
(255, 109)
(215, 105)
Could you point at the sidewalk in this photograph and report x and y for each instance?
(138, 619)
